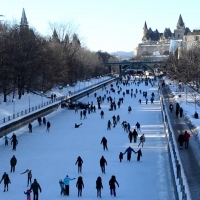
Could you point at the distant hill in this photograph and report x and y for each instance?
(123, 55)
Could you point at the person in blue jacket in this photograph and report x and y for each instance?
(129, 150)
(66, 182)
(6, 140)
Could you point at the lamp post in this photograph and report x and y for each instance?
(29, 102)
(13, 107)
(42, 97)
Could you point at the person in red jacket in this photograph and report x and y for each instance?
(187, 138)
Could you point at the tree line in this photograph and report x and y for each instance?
(30, 62)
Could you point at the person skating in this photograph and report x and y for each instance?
(35, 186)
(48, 126)
(135, 135)
(129, 151)
(121, 155)
(142, 140)
(140, 101)
(103, 162)
(13, 162)
(28, 194)
(62, 187)
(84, 114)
(44, 121)
(39, 121)
(137, 125)
(109, 125)
(29, 176)
(79, 161)
(6, 180)
(80, 185)
(81, 114)
(112, 182)
(13, 136)
(130, 136)
(30, 127)
(187, 138)
(14, 142)
(66, 182)
(99, 186)
(181, 112)
(77, 125)
(6, 140)
(171, 108)
(102, 114)
(118, 118)
(104, 142)
(129, 109)
(181, 140)
(139, 154)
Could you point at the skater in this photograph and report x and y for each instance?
(102, 114)
(39, 121)
(181, 112)
(103, 162)
(14, 142)
(130, 136)
(99, 186)
(129, 150)
(104, 142)
(118, 118)
(152, 99)
(135, 135)
(140, 101)
(138, 126)
(112, 185)
(77, 125)
(121, 156)
(44, 121)
(48, 126)
(109, 125)
(80, 185)
(146, 99)
(187, 138)
(181, 140)
(76, 109)
(30, 127)
(35, 186)
(66, 182)
(79, 162)
(13, 162)
(139, 154)
(171, 108)
(28, 194)
(142, 140)
(84, 114)
(62, 187)
(6, 180)
(6, 140)
(129, 109)
(29, 176)
(81, 114)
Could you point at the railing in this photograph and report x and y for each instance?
(45, 104)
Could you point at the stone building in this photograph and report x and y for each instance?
(154, 42)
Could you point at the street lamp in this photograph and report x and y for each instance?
(13, 107)
(29, 102)
(42, 97)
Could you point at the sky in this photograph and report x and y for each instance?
(51, 156)
(107, 25)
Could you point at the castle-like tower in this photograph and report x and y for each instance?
(24, 22)
(154, 42)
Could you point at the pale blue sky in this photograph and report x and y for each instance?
(107, 25)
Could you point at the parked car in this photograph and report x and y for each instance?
(78, 104)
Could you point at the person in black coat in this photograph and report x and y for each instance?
(104, 142)
(99, 186)
(181, 140)
(102, 114)
(135, 135)
(39, 121)
(48, 126)
(139, 154)
(14, 142)
(6, 180)
(35, 186)
(112, 185)
(121, 155)
(171, 108)
(13, 162)
(30, 127)
(103, 162)
(44, 121)
(80, 185)
(181, 112)
(79, 162)
(13, 137)
(130, 136)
